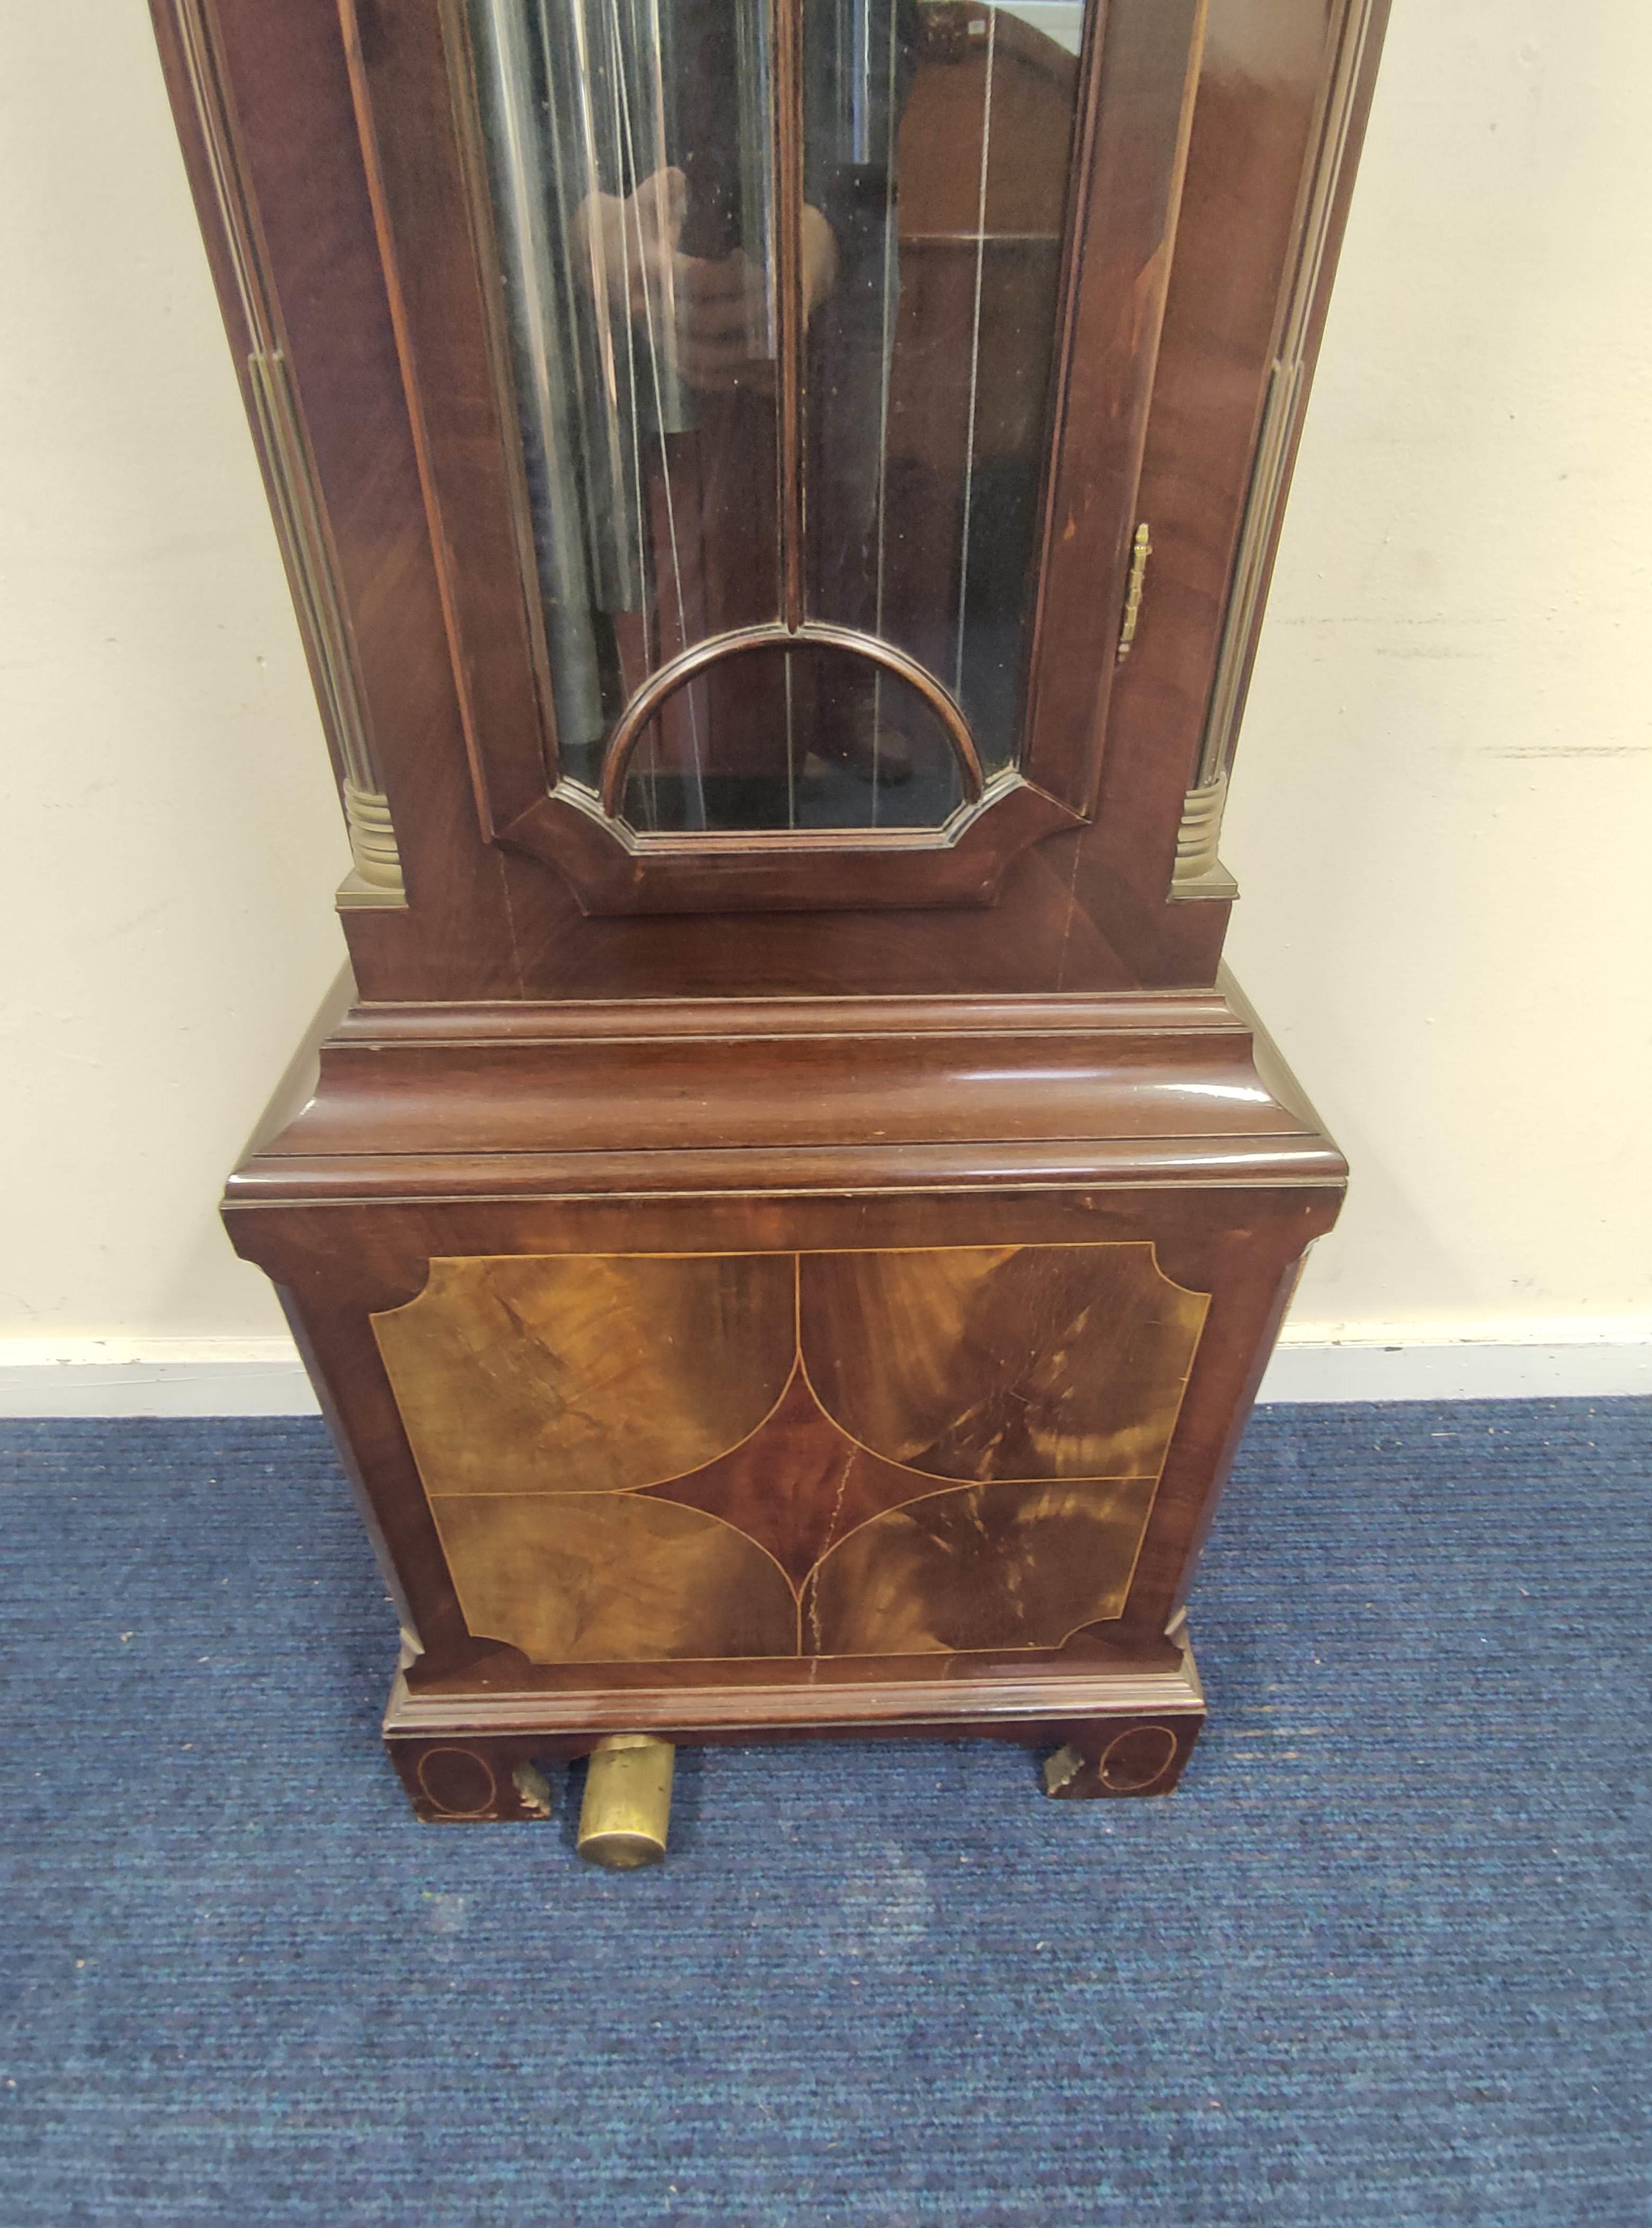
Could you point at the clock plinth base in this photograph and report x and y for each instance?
(811, 1370)
(462, 1759)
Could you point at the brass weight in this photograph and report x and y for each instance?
(627, 1809)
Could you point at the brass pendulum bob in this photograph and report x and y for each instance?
(627, 1807)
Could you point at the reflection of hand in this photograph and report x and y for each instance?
(819, 260)
(722, 310)
(627, 250)
(721, 322)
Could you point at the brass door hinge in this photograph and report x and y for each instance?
(1140, 551)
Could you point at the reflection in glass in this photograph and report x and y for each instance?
(628, 258)
(633, 162)
(787, 778)
(966, 323)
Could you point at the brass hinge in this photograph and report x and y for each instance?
(1140, 551)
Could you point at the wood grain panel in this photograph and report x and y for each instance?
(607, 1577)
(1003, 1362)
(797, 1486)
(545, 1398)
(586, 1373)
(982, 1567)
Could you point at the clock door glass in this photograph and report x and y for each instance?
(780, 278)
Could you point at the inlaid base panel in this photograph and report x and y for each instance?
(844, 1369)
(705, 1457)
(474, 1759)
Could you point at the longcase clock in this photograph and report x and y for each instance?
(789, 1222)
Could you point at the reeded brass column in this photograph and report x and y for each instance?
(627, 1809)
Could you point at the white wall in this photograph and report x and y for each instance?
(1438, 822)
(1445, 778)
(170, 840)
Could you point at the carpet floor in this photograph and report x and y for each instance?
(1383, 1959)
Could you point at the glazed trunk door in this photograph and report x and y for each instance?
(780, 371)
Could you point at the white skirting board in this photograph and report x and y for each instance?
(1593, 1361)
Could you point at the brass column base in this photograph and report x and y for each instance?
(627, 1807)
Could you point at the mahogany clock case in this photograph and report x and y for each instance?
(839, 1320)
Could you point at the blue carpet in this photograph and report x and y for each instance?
(1382, 1960)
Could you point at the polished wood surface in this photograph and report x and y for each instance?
(586, 1373)
(461, 1762)
(978, 1569)
(1087, 910)
(601, 1578)
(798, 1486)
(760, 1292)
(762, 1092)
(640, 1458)
(1266, 129)
(505, 1133)
(996, 1363)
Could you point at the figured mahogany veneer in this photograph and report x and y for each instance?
(706, 1456)
(693, 1356)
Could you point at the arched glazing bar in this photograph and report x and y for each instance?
(781, 279)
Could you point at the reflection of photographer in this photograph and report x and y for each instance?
(715, 310)
(632, 149)
(633, 146)
(674, 249)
